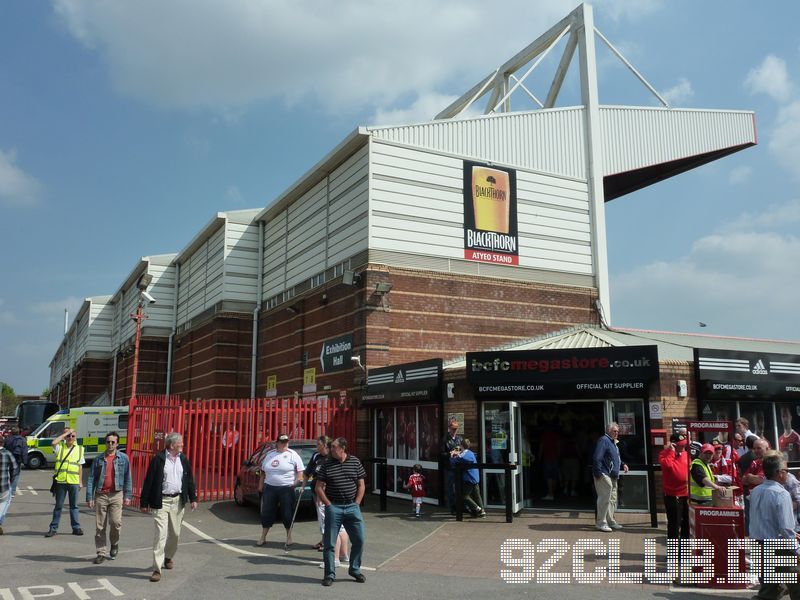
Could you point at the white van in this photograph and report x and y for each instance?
(92, 424)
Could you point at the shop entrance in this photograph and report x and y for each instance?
(552, 443)
(558, 439)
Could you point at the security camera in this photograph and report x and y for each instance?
(148, 297)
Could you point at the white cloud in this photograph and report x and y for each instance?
(770, 78)
(784, 140)
(775, 217)
(55, 308)
(424, 108)
(740, 174)
(627, 11)
(679, 93)
(17, 188)
(741, 280)
(350, 53)
(233, 197)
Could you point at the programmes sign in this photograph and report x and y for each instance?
(490, 214)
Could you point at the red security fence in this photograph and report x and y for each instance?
(219, 435)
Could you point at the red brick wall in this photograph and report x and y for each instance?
(213, 359)
(151, 377)
(89, 380)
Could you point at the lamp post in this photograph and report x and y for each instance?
(139, 316)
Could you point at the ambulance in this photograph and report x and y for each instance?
(92, 424)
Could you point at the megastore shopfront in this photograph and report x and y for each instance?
(544, 411)
(763, 387)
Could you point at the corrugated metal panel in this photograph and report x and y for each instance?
(550, 141)
(241, 262)
(323, 227)
(101, 321)
(417, 208)
(635, 137)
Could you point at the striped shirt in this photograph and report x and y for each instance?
(8, 467)
(341, 479)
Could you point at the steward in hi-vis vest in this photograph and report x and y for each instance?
(701, 484)
(67, 480)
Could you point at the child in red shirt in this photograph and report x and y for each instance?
(416, 483)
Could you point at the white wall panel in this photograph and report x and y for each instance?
(417, 208)
(320, 229)
(550, 141)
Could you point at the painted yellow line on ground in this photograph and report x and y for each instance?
(232, 548)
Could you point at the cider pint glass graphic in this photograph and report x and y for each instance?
(490, 199)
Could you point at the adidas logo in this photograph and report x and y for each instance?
(399, 377)
(759, 368)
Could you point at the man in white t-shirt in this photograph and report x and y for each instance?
(281, 471)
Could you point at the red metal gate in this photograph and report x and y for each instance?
(220, 434)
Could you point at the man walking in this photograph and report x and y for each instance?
(772, 518)
(68, 479)
(606, 465)
(108, 488)
(471, 478)
(18, 446)
(340, 487)
(451, 441)
(7, 468)
(168, 486)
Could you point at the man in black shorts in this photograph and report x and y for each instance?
(340, 487)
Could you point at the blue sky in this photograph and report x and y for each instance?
(124, 126)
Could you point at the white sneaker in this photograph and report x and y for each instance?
(605, 528)
(336, 563)
(344, 558)
(615, 526)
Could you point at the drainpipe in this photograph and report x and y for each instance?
(257, 310)
(174, 328)
(71, 369)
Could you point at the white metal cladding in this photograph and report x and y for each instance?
(322, 228)
(201, 276)
(101, 320)
(417, 208)
(159, 315)
(550, 141)
(635, 137)
(241, 261)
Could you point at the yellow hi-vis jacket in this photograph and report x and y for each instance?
(701, 493)
(68, 468)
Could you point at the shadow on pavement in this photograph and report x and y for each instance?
(111, 571)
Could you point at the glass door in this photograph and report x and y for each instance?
(514, 454)
(501, 429)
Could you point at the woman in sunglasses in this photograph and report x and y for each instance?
(67, 479)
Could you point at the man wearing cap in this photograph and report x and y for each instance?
(674, 461)
(450, 442)
(606, 465)
(702, 484)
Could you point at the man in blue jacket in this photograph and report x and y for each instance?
(109, 487)
(606, 464)
(471, 478)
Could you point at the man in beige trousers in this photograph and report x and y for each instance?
(168, 486)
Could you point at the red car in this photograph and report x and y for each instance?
(246, 485)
